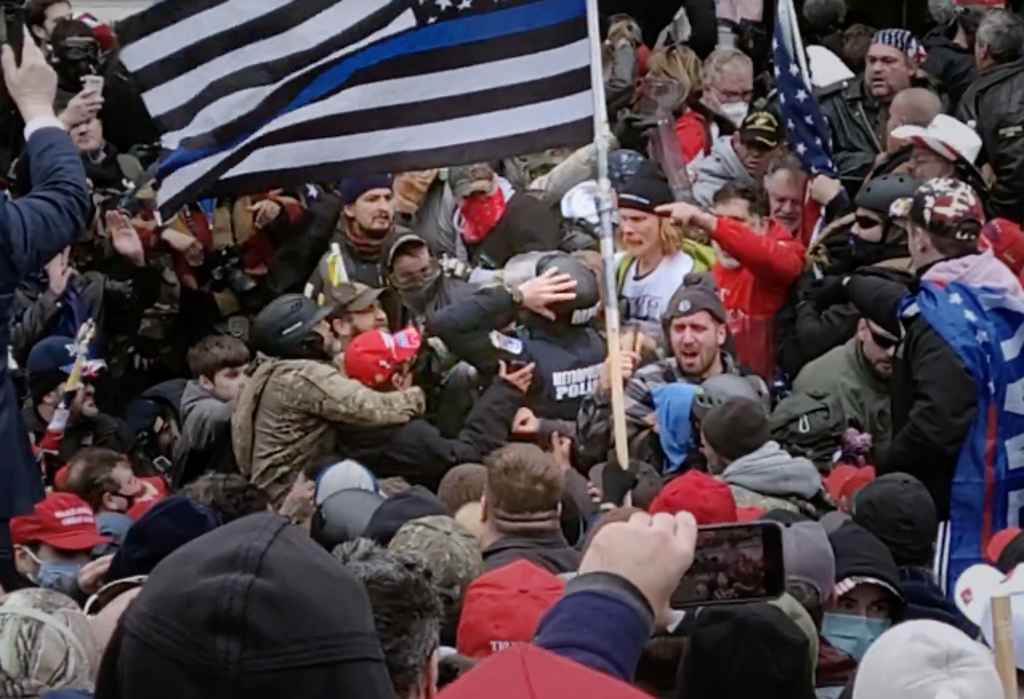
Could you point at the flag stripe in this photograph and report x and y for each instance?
(242, 91)
(479, 137)
(496, 63)
(431, 38)
(271, 34)
(163, 14)
(193, 20)
(323, 124)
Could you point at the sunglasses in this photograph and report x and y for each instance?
(866, 222)
(884, 341)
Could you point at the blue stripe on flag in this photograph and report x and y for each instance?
(445, 34)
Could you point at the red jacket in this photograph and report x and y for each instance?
(691, 130)
(753, 294)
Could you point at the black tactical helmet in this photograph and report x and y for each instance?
(879, 193)
(583, 309)
(284, 329)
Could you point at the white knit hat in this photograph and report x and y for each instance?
(927, 660)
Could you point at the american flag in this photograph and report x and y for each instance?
(252, 95)
(806, 128)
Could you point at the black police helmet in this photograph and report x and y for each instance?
(582, 309)
(284, 329)
(879, 193)
(344, 516)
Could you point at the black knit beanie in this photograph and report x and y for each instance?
(737, 427)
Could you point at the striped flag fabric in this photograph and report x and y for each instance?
(806, 128)
(251, 95)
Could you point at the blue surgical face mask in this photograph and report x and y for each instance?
(52, 571)
(852, 635)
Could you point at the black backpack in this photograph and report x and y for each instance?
(809, 425)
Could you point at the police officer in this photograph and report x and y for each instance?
(291, 406)
(556, 333)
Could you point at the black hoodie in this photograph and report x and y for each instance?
(860, 554)
(252, 609)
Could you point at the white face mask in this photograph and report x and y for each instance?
(735, 112)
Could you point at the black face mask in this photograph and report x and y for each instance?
(418, 296)
(75, 58)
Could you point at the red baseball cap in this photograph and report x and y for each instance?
(529, 672)
(61, 520)
(1006, 240)
(999, 541)
(373, 357)
(708, 499)
(504, 606)
(844, 482)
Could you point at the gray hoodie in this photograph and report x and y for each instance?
(204, 419)
(716, 169)
(771, 479)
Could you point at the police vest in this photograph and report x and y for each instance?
(568, 368)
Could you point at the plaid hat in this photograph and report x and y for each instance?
(45, 643)
(1006, 240)
(808, 557)
(902, 40)
(944, 207)
(737, 427)
(351, 188)
(689, 300)
(708, 499)
(504, 606)
(374, 357)
(352, 297)
(762, 127)
(450, 551)
(645, 191)
(61, 520)
(475, 178)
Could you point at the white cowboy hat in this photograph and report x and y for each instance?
(946, 136)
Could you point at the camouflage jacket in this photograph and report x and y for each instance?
(594, 421)
(288, 413)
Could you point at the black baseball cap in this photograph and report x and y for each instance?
(762, 127)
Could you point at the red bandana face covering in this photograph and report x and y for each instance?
(480, 214)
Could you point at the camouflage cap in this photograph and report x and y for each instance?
(450, 551)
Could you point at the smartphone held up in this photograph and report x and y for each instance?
(734, 563)
(13, 26)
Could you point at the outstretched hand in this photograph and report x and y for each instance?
(652, 552)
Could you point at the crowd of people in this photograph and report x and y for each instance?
(358, 436)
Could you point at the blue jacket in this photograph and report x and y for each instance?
(33, 229)
(602, 621)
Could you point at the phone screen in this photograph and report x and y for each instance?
(734, 563)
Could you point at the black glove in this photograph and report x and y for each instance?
(631, 131)
(616, 483)
(830, 291)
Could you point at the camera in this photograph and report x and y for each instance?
(228, 272)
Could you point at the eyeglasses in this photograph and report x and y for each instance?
(884, 341)
(866, 222)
